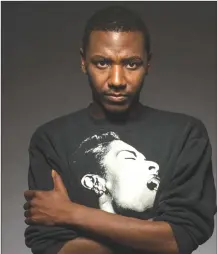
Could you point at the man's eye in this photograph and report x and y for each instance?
(132, 66)
(102, 64)
(130, 158)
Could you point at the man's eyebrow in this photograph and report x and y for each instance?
(101, 58)
(130, 58)
(127, 58)
(135, 59)
(98, 56)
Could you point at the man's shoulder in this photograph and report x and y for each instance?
(63, 123)
(169, 119)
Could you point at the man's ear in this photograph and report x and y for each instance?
(148, 66)
(83, 61)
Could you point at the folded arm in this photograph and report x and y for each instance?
(83, 245)
(184, 215)
(146, 236)
(45, 239)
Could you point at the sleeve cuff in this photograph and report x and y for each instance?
(183, 239)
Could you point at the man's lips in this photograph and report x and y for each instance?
(116, 94)
(116, 97)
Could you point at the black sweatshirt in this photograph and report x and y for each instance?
(156, 166)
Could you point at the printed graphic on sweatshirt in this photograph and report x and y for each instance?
(127, 180)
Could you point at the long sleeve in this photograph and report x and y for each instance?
(43, 157)
(188, 202)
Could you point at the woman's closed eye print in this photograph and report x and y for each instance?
(127, 155)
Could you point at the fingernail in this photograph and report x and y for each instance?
(53, 173)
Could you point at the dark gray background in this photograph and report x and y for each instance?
(41, 80)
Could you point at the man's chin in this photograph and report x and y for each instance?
(116, 109)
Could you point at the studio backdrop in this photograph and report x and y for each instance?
(42, 79)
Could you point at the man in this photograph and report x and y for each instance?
(143, 183)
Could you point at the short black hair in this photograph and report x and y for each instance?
(117, 19)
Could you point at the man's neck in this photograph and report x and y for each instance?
(98, 112)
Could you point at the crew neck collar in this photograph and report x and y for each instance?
(103, 120)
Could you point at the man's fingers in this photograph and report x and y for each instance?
(27, 213)
(29, 194)
(30, 214)
(26, 206)
(58, 183)
(29, 221)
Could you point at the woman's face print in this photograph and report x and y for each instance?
(130, 178)
(95, 183)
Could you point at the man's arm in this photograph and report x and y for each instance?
(184, 217)
(147, 236)
(54, 207)
(83, 245)
(186, 207)
(43, 239)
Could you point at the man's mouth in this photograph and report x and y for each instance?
(153, 183)
(116, 97)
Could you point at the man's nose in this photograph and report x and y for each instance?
(117, 79)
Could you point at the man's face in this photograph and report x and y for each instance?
(116, 64)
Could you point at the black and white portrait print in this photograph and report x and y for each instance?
(126, 179)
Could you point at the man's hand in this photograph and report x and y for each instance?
(54, 207)
(48, 207)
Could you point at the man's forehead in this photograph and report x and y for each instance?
(109, 42)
